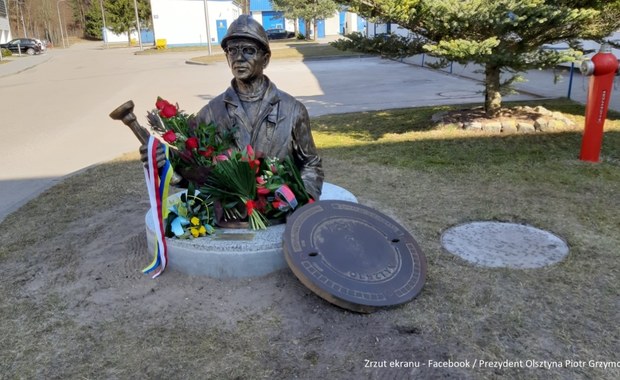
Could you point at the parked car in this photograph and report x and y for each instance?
(276, 34)
(28, 46)
(43, 44)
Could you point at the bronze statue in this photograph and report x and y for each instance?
(270, 120)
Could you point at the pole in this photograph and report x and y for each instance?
(62, 37)
(570, 80)
(206, 3)
(135, 5)
(104, 34)
(21, 16)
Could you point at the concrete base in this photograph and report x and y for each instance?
(233, 253)
(504, 245)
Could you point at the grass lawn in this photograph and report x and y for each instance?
(396, 161)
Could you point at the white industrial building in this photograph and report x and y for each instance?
(183, 22)
(5, 28)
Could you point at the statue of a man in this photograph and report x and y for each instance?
(270, 120)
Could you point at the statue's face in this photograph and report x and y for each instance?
(246, 59)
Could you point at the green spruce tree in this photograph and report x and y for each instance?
(121, 17)
(94, 23)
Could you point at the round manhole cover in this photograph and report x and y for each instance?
(353, 256)
(508, 245)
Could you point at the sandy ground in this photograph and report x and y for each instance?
(80, 304)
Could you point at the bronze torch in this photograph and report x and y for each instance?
(124, 113)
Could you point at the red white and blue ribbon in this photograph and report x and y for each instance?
(286, 195)
(157, 183)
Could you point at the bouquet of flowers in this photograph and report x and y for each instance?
(190, 216)
(245, 184)
(227, 186)
(193, 144)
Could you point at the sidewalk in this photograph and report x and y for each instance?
(549, 83)
(16, 64)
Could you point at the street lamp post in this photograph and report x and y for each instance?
(104, 33)
(62, 37)
(135, 5)
(207, 25)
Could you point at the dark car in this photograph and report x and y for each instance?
(29, 46)
(278, 34)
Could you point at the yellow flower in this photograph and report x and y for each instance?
(195, 221)
(203, 231)
(194, 231)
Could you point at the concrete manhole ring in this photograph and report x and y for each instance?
(504, 245)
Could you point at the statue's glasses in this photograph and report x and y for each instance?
(247, 51)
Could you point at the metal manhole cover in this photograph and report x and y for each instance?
(509, 245)
(353, 256)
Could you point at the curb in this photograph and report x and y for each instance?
(21, 66)
(301, 59)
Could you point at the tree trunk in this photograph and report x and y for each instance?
(492, 96)
(316, 28)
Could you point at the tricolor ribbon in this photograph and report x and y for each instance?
(157, 183)
(285, 195)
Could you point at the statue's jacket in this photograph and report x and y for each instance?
(281, 129)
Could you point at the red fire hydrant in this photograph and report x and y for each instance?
(604, 66)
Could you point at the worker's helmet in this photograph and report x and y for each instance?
(246, 27)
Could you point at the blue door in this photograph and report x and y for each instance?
(222, 26)
(361, 24)
(147, 36)
(343, 24)
(321, 29)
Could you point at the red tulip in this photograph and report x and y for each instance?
(254, 165)
(191, 143)
(250, 151)
(169, 137)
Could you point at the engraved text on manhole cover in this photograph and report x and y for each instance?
(353, 256)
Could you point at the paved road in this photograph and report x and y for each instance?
(553, 83)
(55, 114)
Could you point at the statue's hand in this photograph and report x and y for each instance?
(160, 155)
